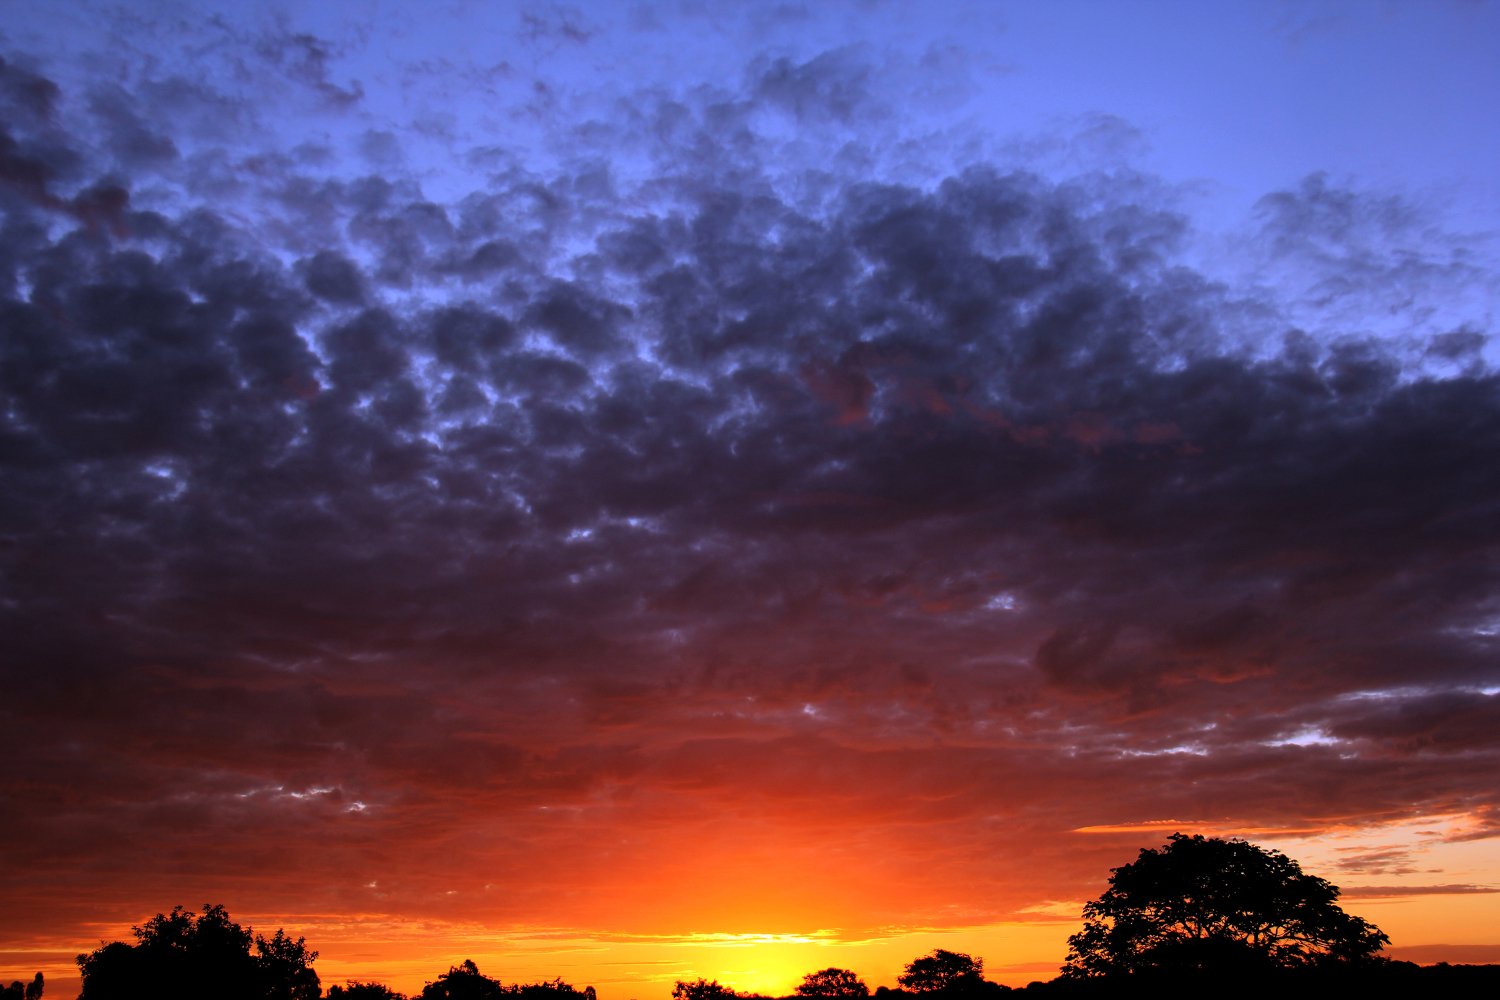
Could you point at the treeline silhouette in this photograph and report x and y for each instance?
(182, 957)
(1197, 916)
(1378, 977)
(18, 990)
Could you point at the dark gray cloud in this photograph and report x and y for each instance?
(831, 85)
(305, 59)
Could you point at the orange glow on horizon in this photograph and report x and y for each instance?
(756, 910)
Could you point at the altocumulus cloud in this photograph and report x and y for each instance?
(525, 536)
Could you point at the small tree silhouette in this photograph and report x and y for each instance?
(832, 983)
(363, 991)
(463, 982)
(942, 971)
(18, 990)
(554, 989)
(286, 968)
(703, 989)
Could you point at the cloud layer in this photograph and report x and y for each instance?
(682, 545)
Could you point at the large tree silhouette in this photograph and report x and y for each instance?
(1221, 906)
(179, 956)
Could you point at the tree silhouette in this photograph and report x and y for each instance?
(1208, 905)
(18, 990)
(942, 971)
(178, 956)
(703, 989)
(554, 989)
(352, 990)
(286, 968)
(832, 983)
(463, 982)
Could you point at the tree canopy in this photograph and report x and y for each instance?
(180, 956)
(1204, 904)
(702, 989)
(18, 990)
(832, 983)
(354, 990)
(463, 982)
(942, 971)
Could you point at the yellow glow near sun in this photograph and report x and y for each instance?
(1389, 873)
(644, 966)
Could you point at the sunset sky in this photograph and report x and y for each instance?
(632, 492)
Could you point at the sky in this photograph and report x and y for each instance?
(640, 492)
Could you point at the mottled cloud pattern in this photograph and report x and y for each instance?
(621, 537)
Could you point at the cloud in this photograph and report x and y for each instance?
(304, 59)
(1389, 891)
(587, 525)
(831, 85)
(1356, 258)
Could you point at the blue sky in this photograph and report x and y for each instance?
(1243, 97)
(1219, 104)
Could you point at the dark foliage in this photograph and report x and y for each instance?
(285, 968)
(1215, 908)
(942, 971)
(832, 983)
(18, 990)
(554, 989)
(363, 991)
(1188, 887)
(178, 956)
(463, 982)
(702, 989)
